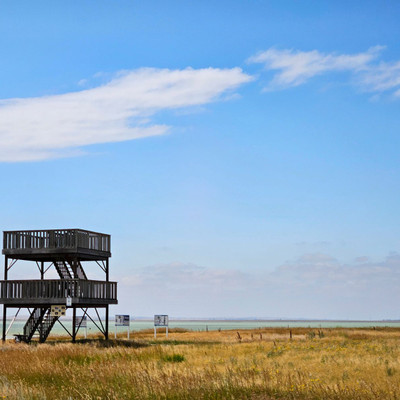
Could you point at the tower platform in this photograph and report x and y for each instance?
(46, 245)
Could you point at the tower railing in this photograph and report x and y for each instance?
(56, 239)
(40, 291)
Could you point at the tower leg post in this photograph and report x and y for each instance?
(4, 306)
(106, 323)
(4, 322)
(107, 306)
(73, 324)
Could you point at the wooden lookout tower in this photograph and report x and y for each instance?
(65, 251)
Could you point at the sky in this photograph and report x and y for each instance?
(244, 155)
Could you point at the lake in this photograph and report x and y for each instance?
(202, 325)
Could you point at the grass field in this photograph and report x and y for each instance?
(252, 364)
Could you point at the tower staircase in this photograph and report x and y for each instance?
(39, 324)
(47, 324)
(70, 270)
(63, 270)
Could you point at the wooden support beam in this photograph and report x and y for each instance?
(73, 324)
(4, 306)
(107, 316)
(4, 322)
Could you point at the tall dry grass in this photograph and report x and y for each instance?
(256, 364)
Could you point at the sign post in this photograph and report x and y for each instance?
(122, 320)
(161, 321)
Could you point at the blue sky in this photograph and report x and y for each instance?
(243, 155)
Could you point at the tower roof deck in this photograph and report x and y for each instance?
(50, 244)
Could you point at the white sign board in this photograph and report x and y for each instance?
(161, 320)
(122, 320)
(81, 322)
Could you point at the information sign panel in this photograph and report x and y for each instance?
(57, 311)
(122, 320)
(161, 320)
(81, 322)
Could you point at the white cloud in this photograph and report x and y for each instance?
(312, 286)
(327, 288)
(328, 273)
(296, 67)
(382, 77)
(185, 276)
(60, 125)
(183, 289)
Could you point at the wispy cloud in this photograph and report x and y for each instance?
(382, 77)
(315, 285)
(295, 67)
(186, 275)
(60, 125)
(327, 273)
(183, 289)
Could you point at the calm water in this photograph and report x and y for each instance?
(212, 325)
